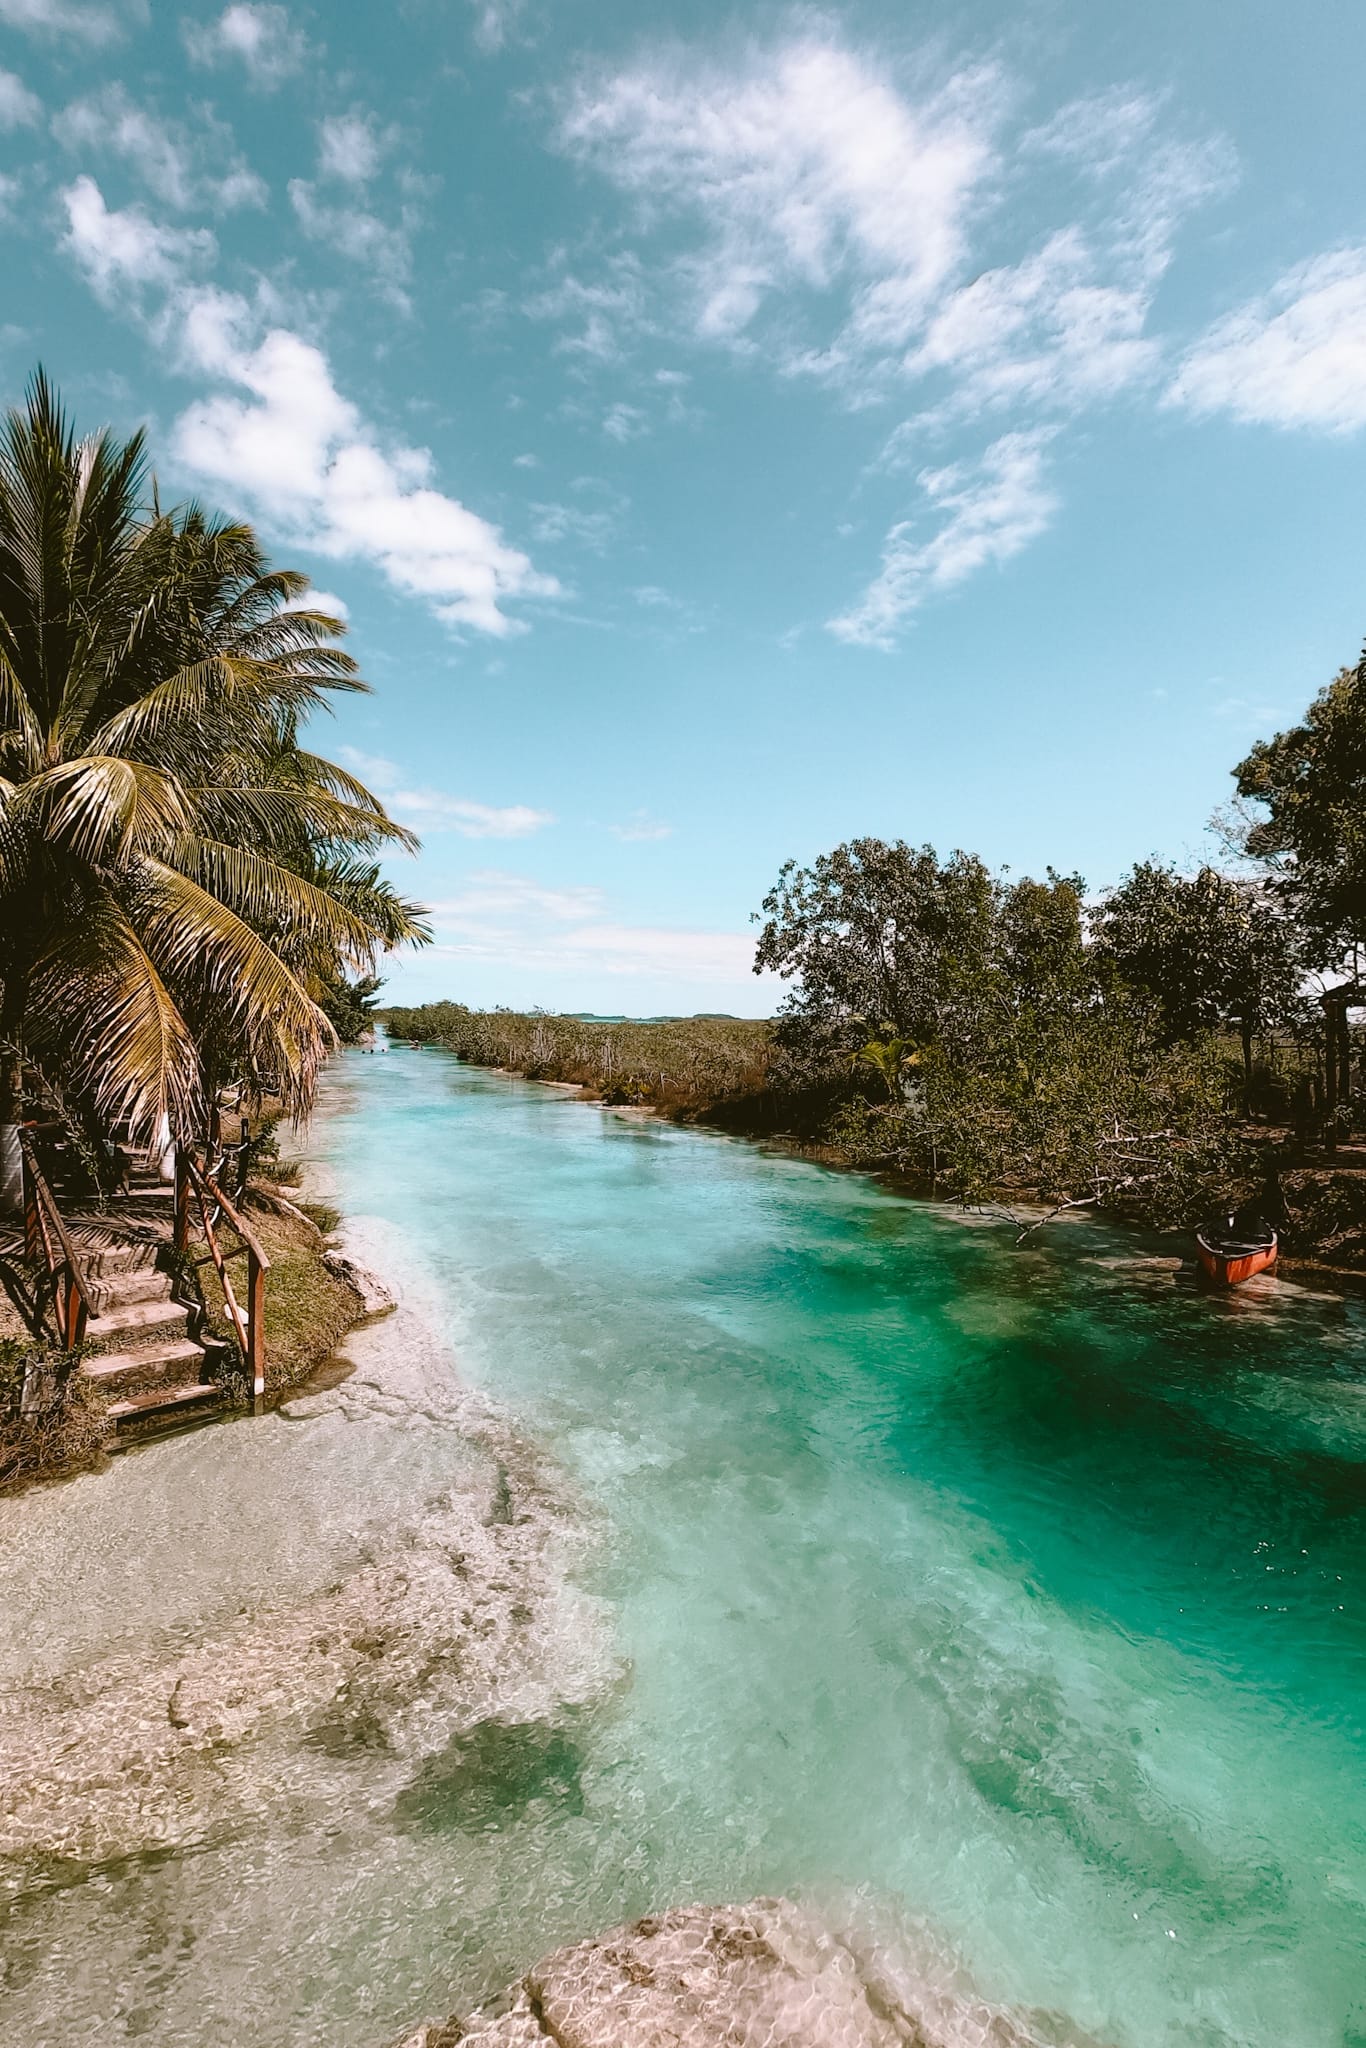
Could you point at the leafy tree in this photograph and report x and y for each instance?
(1204, 951)
(1035, 1069)
(349, 1006)
(179, 877)
(878, 935)
(1308, 789)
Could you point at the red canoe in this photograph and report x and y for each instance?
(1232, 1248)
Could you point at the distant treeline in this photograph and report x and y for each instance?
(1152, 1052)
(685, 1066)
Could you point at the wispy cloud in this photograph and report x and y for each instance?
(259, 37)
(641, 826)
(351, 146)
(622, 422)
(358, 236)
(804, 164)
(992, 509)
(1293, 358)
(435, 810)
(19, 108)
(351, 151)
(491, 896)
(84, 23)
(495, 22)
(822, 207)
(183, 164)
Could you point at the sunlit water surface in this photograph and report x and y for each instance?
(1023, 1591)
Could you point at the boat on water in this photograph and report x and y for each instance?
(1232, 1247)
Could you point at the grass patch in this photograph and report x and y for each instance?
(308, 1309)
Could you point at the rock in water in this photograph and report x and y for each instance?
(765, 1975)
(375, 1297)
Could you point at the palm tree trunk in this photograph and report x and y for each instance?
(11, 1119)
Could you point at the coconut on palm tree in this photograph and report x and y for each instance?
(179, 876)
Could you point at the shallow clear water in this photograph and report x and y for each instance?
(1023, 1591)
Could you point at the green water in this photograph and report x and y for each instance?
(1021, 1593)
(1022, 1587)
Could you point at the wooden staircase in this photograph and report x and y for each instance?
(144, 1356)
(113, 1280)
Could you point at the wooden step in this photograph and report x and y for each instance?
(162, 1359)
(149, 1319)
(138, 1283)
(162, 1401)
(103, 1252)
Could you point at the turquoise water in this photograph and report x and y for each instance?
(1023, 1588)
(1010, 1599)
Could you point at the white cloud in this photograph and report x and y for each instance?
(556, 523)
(301, 453)
(494, 22)
(184, 166)
(491, 894)
(260, 37)
(623, 949)
(358, 237)
(805, 163)
(293, 448)
(566, 933)
(126, 249)
(994, 508)
(19, 108)
(641, 826)
(319, 601)
(623, 422)
(1293, 358)
(433, 810)
(91, 24)
(350, 147)
(815, 180)
(600, 317)
(827, 211)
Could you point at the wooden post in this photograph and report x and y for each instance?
(256, 1330)
(76, 1313)
(181, 1237)
(33, 1236)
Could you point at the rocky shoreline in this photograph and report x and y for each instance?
(461, 1613)
(769, 1974)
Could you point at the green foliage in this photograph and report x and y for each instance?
(350, 1006)
(1010, 1056)
(685, 1064)
(1308, 787)
(179, 876)
(1201, 951)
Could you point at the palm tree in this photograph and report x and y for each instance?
(891, 1059)
(179, 876)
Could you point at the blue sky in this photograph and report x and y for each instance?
(731, 430)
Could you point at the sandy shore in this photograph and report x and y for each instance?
(205, 1633)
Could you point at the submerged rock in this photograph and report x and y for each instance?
(765, 1975)
(470, 1619)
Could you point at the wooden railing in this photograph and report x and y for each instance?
(45, 1239)
(248, 1319)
